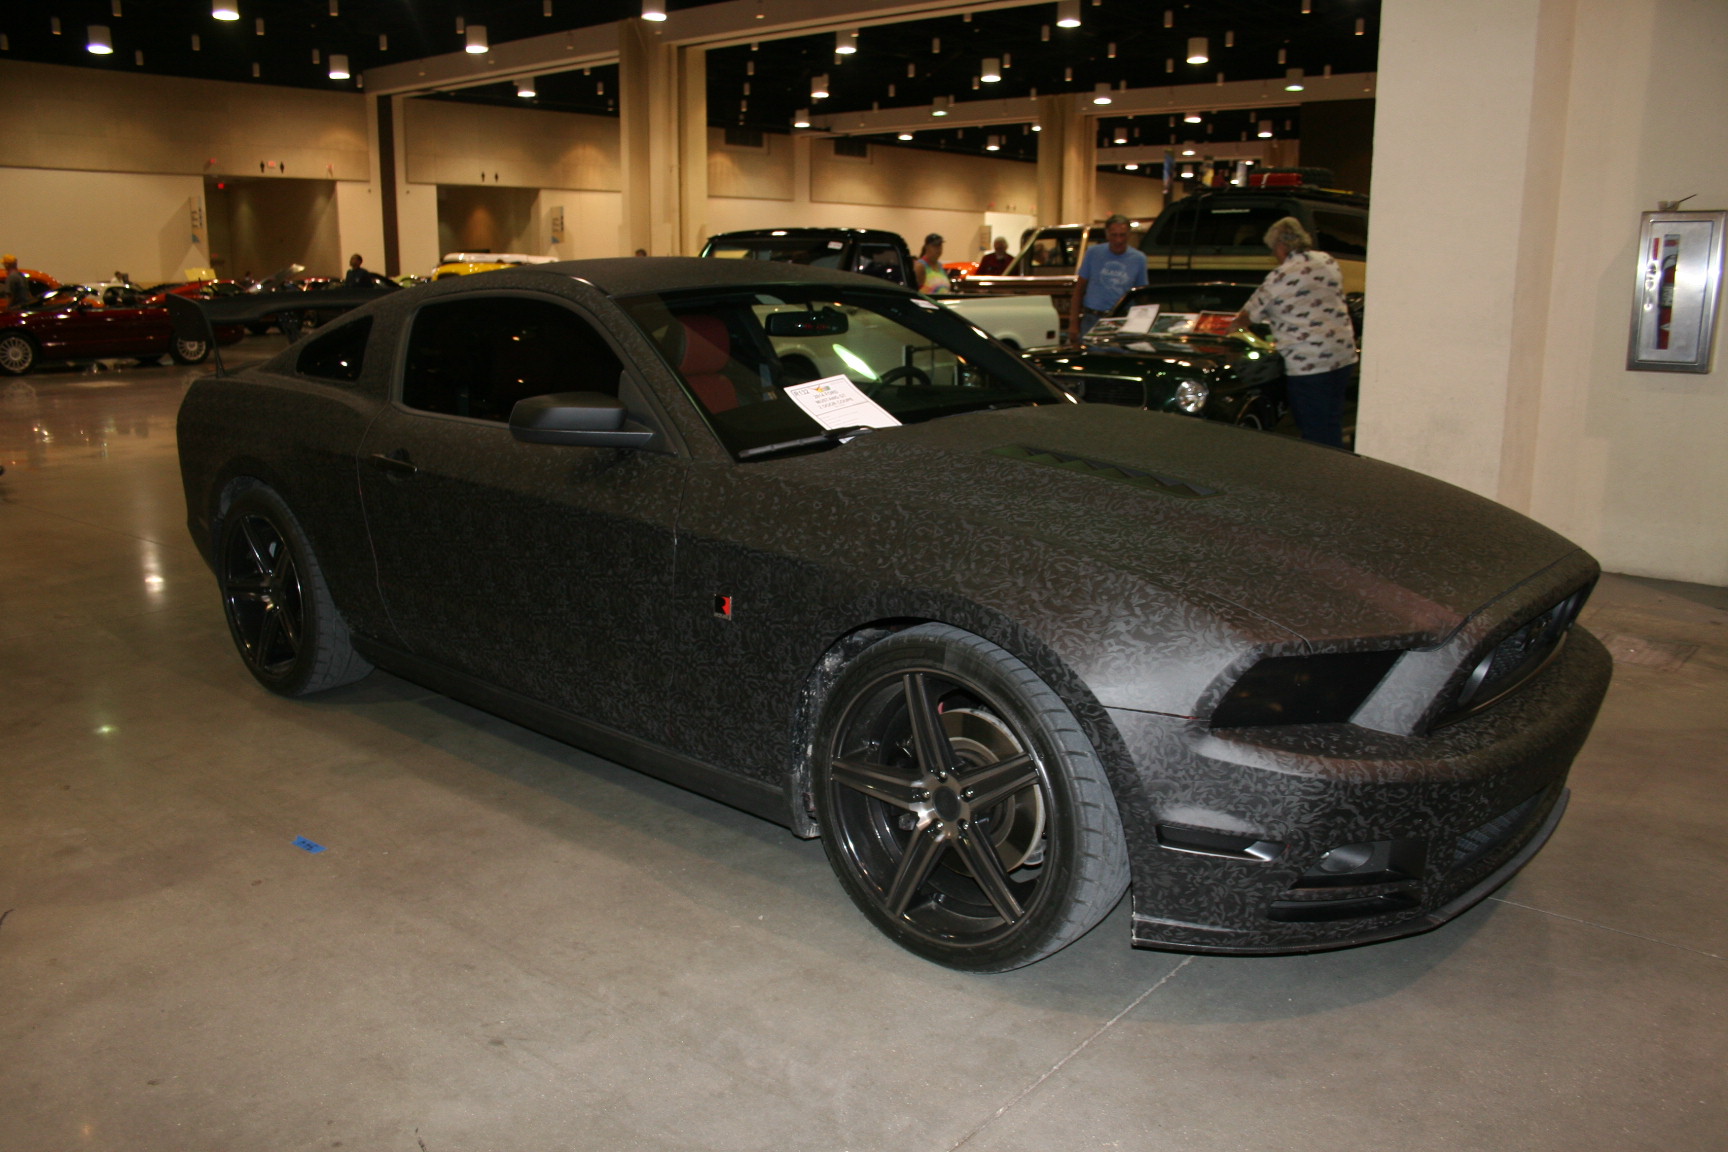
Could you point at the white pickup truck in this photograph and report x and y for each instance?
(1020, 322)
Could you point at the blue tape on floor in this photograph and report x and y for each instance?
(308, 845)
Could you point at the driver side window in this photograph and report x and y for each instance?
(477, 357)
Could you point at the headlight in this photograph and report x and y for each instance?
(1191, 395)
(1324, 689)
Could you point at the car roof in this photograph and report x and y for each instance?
(631, 275)
(805, 234)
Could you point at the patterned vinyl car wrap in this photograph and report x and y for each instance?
(1334, 701)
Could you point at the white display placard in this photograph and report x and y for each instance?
(836, 402)
(1140, 317)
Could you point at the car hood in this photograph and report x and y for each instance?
(1332, 547)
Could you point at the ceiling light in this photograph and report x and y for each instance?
(1361, 26)
(939, 106)
(1281, 56)
(115, 9)
(1110, 51)
(1307, 7)
(1191, 118)
(801, 118)
(993, 144)
(1169, 18)
(845, 43)
(197, 44)
(1187, 171)
(1101, 94)
(524, 87)
(992, 71)
(225, 10)
(1197, 50)
(904, 136)
(338, 66)
(383, 42)
(258, 26)
(546, 9)
(1187, 151)
(1229, 39)
(1037, 127)
(1068, 13)
(98, 41)
(1265, 132)
(654, 10)
(819, 87)
(54, 25)
(1293, 80)
(476, 42)
(138, 57)
(335, 8)
(1130, 167)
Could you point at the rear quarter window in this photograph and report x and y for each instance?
(339, 354)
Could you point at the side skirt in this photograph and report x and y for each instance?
(644, 756)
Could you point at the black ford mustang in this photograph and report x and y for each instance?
(1006, 653)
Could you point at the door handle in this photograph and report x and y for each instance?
(396, 463)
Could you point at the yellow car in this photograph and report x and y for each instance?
(466, 263)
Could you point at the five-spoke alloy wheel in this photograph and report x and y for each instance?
(961, 805)
(279, 609)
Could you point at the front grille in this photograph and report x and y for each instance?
(1105, 389)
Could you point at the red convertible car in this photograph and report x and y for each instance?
(73, 324)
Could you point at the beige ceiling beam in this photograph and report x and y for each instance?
(1236, 95)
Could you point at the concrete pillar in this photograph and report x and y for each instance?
(1067, 172)
(663, 130)
(1469, 138)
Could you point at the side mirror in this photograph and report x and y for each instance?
(582, 419)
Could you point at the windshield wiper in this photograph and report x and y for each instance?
(830, 436)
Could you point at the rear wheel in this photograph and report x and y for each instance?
(279, 609)
(18, 353)
(961, 806)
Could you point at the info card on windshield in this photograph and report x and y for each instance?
(836, 402)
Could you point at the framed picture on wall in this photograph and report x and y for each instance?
(1676, 293)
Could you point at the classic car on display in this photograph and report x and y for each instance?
(1170, 348)
(1006, 653)
(72, 323)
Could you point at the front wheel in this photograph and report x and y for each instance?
(17, 353)
(188, 351)
(280, 612)
(961, 806)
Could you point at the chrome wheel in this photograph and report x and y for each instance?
(960, 805)
(17, 354)
(188, 351)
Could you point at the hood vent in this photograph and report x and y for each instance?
(1104, 470)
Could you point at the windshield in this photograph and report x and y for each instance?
(738, 350)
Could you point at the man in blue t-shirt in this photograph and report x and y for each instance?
(1107, 272)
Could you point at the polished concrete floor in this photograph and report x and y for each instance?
(511, 945)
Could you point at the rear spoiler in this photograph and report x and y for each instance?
(196, 319)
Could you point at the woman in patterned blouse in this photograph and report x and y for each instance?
(1303, 301)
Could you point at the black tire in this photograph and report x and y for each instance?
(280, 613)
(18, 353)
(961, 806)
(188, 351)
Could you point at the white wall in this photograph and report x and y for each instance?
(84, 226)
(1499, 300)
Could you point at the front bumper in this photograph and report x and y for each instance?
(1233, 823)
